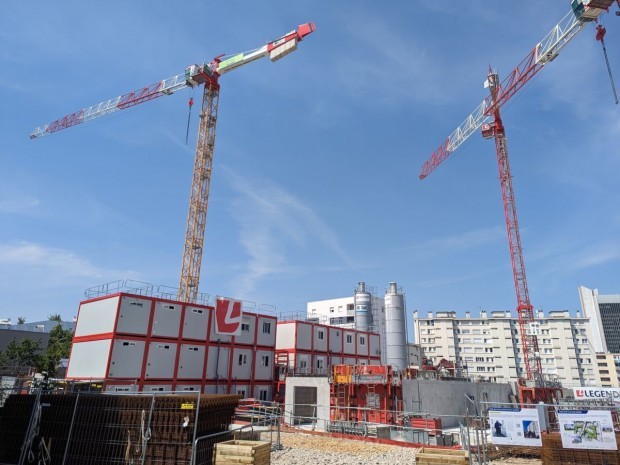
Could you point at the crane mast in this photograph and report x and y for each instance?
(199, 196)
(487, 116)
(195, 75)
(525, 310)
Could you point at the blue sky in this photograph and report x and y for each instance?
(315, 181)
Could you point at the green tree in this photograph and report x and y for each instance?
(58, 347)
(23, 355)
(21, 320)
(55, 317)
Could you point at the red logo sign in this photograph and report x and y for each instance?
(228, 316)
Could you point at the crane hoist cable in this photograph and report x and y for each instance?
(190, 104)
(600, 36)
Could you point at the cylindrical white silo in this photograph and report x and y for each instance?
(363, 310)
(395, 329)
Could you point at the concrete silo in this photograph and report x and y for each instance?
(363, 308)
(395, 328)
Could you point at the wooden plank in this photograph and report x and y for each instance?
(428, 450)
(233, 462)
(424, 461)
(441, 459)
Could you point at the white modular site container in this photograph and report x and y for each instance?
(149, 343)
(312, 348)
(166, 320)
(191, 361)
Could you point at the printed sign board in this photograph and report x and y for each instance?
(228, 316)
(587, 429)
(515, 427)
(594, 393)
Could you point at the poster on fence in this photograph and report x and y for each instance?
(515, 427)
(587, 429)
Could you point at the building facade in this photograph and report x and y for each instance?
(604, 313)
(488, 347)
(608, 367)
(415, 355)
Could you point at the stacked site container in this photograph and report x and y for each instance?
(312, 348)
(150, 344)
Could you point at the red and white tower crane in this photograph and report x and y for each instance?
(194, 75)
(487, 117)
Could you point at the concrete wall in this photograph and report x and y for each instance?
(322, 398)
(439, 398)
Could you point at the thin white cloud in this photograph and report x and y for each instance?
(19, 205)
(389, 66)
(442, 282)
(52, 267)
(574, 258)
(462, 241)
(270, 218)
(597, 255)
(51, 260)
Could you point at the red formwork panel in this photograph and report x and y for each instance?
(365, 393)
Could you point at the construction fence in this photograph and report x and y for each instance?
(88, 428)
(560, 434)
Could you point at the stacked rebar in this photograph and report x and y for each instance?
(554, 454)
(98, 429)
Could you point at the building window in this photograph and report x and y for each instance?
(319, 363)
(262, 394)
(362, 340)
(241, 392)
(266, 327)
(245, 327)
(320, 335)
(264, 360)
(243, 359)
(479, 359)
(349, 339)
(350, 307)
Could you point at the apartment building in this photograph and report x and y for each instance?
(488, 347)
(608, 367)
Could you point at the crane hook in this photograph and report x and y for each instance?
(189, 115)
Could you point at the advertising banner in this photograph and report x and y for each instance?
(515, 427)
(594, 393)
(587, 429)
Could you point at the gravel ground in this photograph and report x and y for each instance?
(307, 449)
